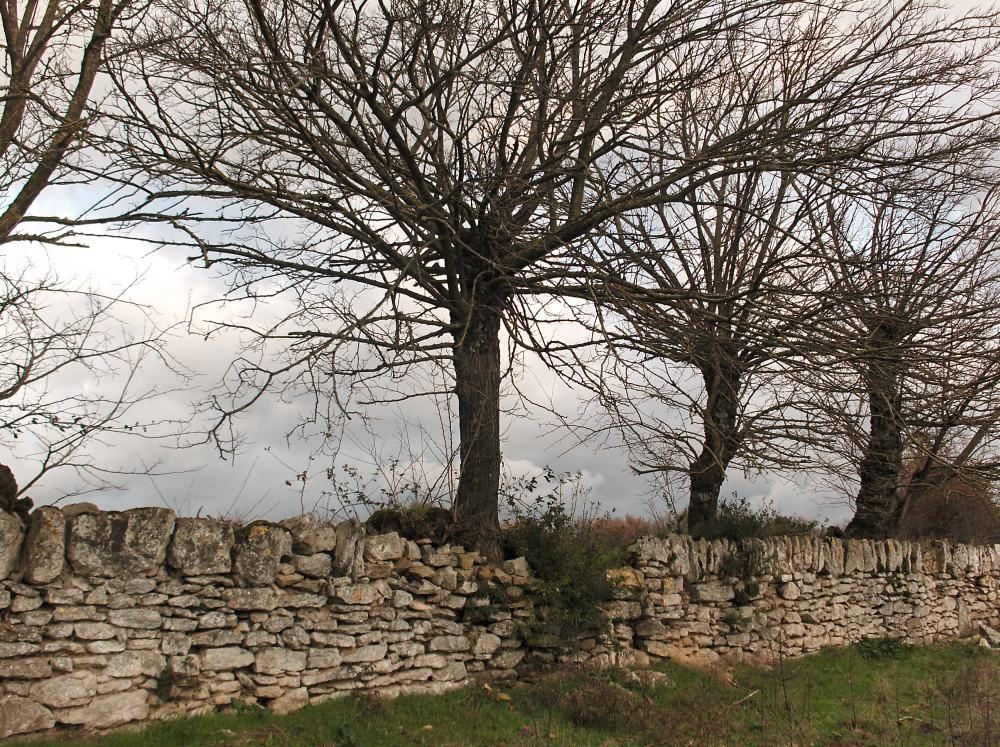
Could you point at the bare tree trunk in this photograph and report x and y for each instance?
(708, 471)
(882, 465)
(477, 384)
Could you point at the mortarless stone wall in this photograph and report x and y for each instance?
(113, 617)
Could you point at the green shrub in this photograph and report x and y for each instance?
(875, 649)
(737, 519)
(745, 562)
(570, 562)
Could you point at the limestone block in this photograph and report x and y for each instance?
(507, 659)
(324, 658)
(380, 547)
(279, 661)
(517, 567)
(260, 548)
(623, 610)
(854, 557)
(9, 650)
(65, 691)
(356, 593)
(44, 551)
(347, 559)
(11, 536)
(144, 619)
(119, 544)
(712, 591)
(201, 547)
(175, 644)
(25, 669)
(836, 557)
(134, 663)
(452, 643)
(319, 565)
(486, 644)
(250, 599)
(454, 671)
(290, 701)
(789, 591)
(217, 637)
(364, 654)
(222, 659)
(93, 631)
(309, 536)
(22, 716)
(106, 711)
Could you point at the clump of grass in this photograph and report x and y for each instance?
(880, 648)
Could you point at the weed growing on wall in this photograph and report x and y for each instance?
(738, 520)
(570, 561)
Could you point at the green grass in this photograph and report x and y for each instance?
(877, 693)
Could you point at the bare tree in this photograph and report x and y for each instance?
(706, 299)
(69, 363)
(51, 57)
(708, 302)
(416, 173)
(58, 342)
(907, 356)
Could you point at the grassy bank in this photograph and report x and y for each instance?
(876, 693)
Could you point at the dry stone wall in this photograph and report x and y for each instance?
(113, 617)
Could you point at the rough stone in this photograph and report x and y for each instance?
(279, 661)
(44, 552)
(309, 536)
(136, 618)
(260, 548)
(134, 663)
(381, 547)
(290, 701)
(17, 648)
(453, 643)
(22, 716)
(712, 592)
(201, 547)
(93, 631)
(111, 710)
(119, 544)
(356, 593)
(223, 659)
(789, 591)
(486, 644)
(346, 560)
(25, 669)
(319, 565)
(365, 654)
(65, 691)
(251, 599)
(517, 567)
(11, 536)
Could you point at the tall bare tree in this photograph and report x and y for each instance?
(50, 60)
(703, 303)
(70, 365)
(908, 357)
(708, 302)
(57, 340)
(427, 165)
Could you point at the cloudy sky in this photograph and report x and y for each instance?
(255, 484)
